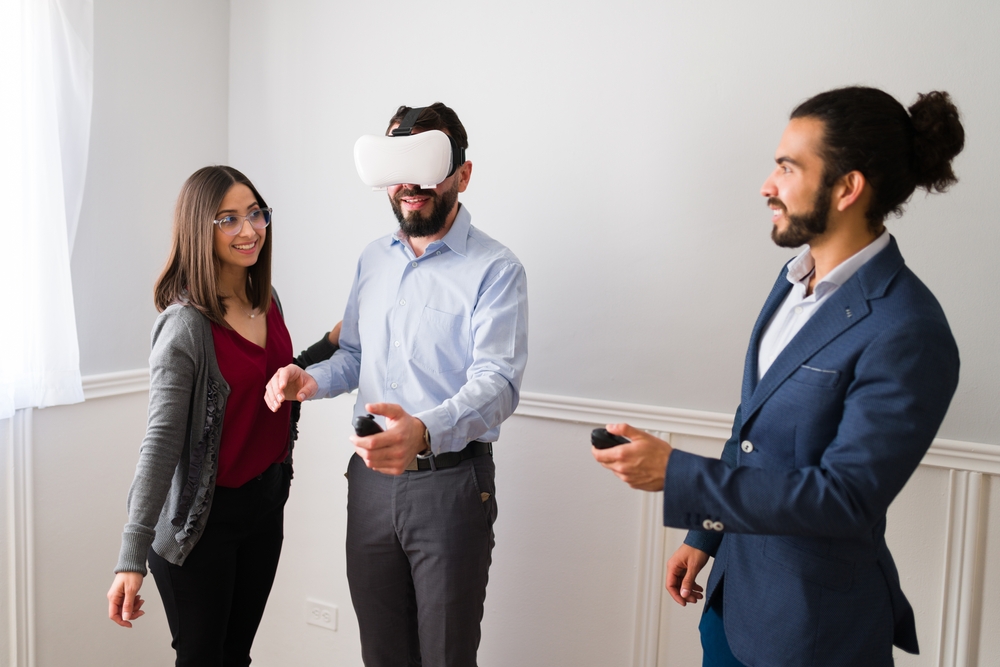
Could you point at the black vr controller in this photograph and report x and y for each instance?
(601, 439)
(365, 425)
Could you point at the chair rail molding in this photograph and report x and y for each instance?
(947, 454)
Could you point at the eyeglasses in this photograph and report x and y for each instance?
(232, 224)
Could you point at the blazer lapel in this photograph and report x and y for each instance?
(846, 307)
(778, 292)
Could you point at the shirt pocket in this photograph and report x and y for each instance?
(442, 341)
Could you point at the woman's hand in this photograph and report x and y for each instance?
(124, 602)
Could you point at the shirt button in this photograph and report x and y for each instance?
(438, 252)
(707, 524)
(798, 309)
(393, 385)
(396, 343)
(402, 302)
(414, 265)
(717, 525)
(746, 446)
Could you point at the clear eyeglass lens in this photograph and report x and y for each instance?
(232, 224)
(259, 218)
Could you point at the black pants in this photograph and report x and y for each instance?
(214, 602)
(418, 557)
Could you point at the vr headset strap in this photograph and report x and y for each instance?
(405, 127)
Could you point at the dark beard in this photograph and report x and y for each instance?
(416, 225)
(804, 228)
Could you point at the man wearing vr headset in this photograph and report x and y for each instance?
(435, 339)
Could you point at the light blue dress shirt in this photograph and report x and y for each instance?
(444, 335)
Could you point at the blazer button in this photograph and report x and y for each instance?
(746, 446)
(707, 524)
(717, 526)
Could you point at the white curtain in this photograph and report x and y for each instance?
(46, 93)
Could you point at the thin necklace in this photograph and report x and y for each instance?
(253, 312)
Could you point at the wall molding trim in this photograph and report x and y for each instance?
(650, 568)
(115, 384)
(20, 540)
(947, 454)
(962, 603)
(648, 417)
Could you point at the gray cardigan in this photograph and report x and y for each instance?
(171, 494)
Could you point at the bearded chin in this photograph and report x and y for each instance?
(804, 228)
(416, 225)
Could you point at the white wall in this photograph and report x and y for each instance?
(161, 101)
(618, 150)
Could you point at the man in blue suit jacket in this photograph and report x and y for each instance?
(850, 370)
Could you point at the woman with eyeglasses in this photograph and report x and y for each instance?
(206, 504)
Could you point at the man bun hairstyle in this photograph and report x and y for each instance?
(867, 130)
(938, 137)
(435, 117)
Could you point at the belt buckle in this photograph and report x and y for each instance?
(411, 466)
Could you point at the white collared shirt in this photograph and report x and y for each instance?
(797, 308)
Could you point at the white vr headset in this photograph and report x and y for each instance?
(423, 159)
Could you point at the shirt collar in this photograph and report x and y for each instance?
(457, 237)
(803, 265)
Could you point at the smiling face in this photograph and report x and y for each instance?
(796, 194)
(423, 212)
(239, 251)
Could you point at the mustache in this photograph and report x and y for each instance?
(774, 201)
(415, 192)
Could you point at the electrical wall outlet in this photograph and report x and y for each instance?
(322, 614)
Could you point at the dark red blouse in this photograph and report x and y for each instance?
(253, 437)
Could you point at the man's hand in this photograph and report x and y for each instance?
(290, 383)
(682, 568)
(124, 602)
(642, 463)
(392, 450)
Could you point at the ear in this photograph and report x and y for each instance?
(849, 189)
(464, 174)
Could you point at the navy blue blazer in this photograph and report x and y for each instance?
(794, 513)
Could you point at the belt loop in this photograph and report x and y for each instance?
(433, 465)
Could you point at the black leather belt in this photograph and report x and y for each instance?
(452, 459)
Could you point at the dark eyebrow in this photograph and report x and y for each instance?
(784, 158)
(232, 211)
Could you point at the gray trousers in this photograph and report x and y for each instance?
(418, 557)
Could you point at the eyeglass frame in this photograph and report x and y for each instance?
(268, 212)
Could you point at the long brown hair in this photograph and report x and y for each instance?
(192, 270)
